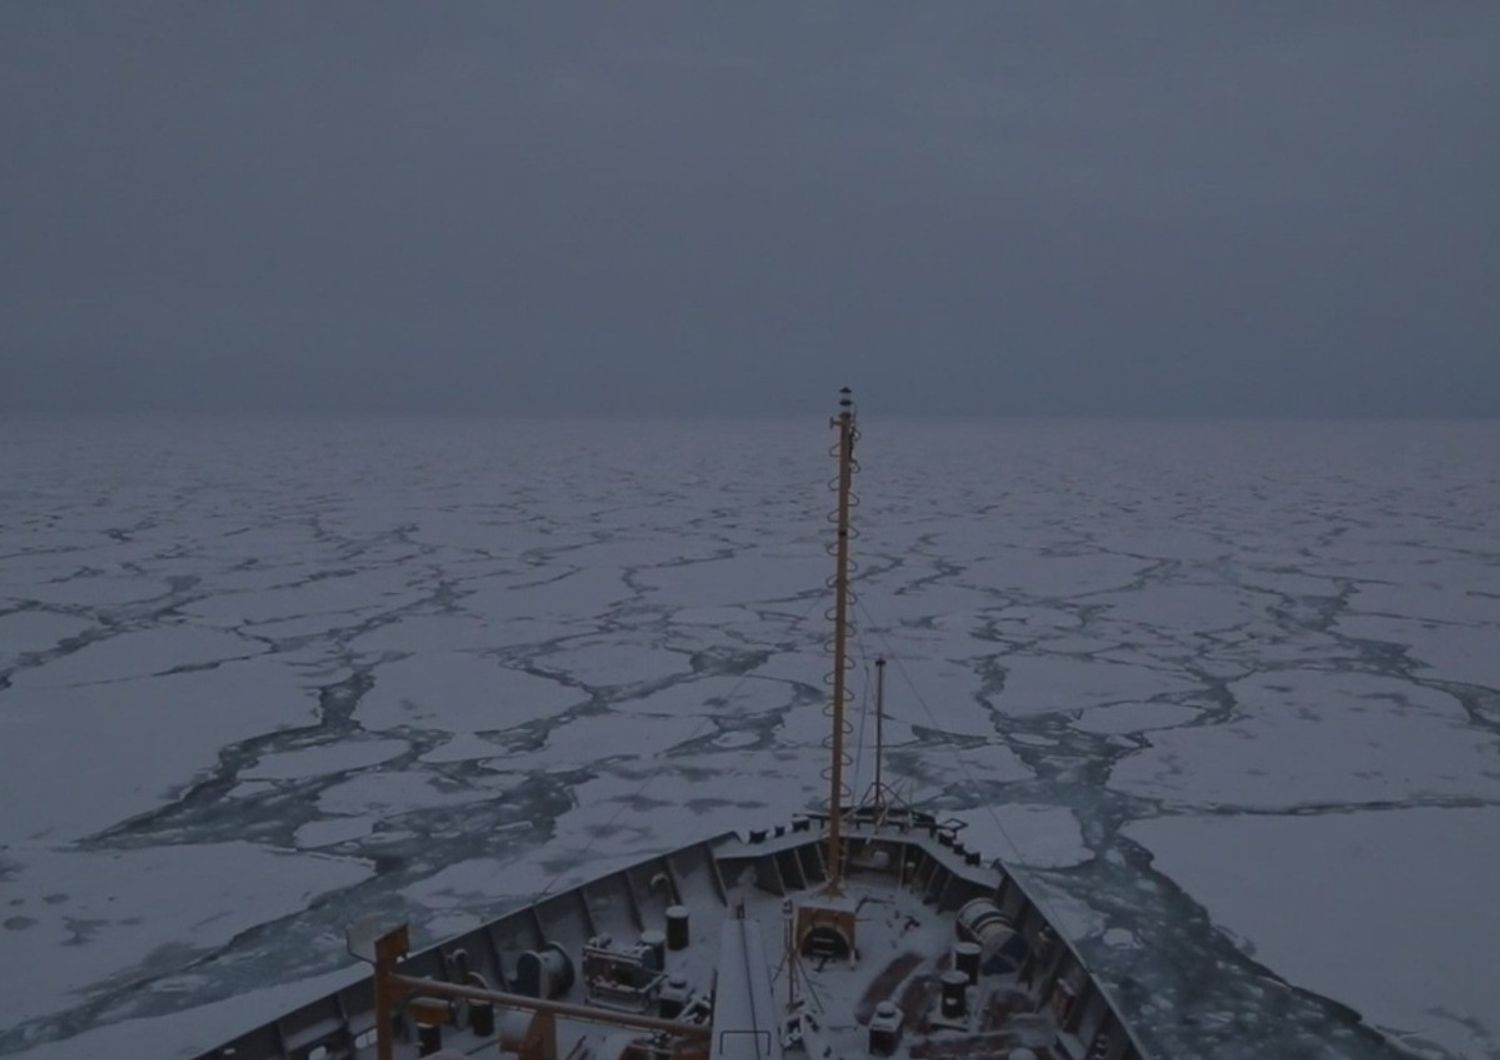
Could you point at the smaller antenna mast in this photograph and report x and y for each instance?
(881, 800)
(879, 728)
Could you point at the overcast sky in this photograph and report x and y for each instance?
(1134, 208)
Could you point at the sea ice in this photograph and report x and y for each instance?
(1134, 717)
(1187, 610)
(84, 919)
(343, 594)
(84, 590)
(1026, 835)
(84, 758)
(1043, 684)
(1039, 575)
(720, 696)
(775, 574)
(331, 830)
(1388, 911)
(430, 633)
(1442, 650)
(459, 692)
(139, 654)
(588, 738)
(391, 794)
(574, 593)
(1070, 593)
(321, 761)
(193, 1031)
(32, 631)
(612, 661)
(1319, 737)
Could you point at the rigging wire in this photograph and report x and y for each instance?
(863, 652)
(864, 712)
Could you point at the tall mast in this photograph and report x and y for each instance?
(844, 422)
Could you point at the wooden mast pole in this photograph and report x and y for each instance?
(845, 424)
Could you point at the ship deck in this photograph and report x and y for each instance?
(762, 962)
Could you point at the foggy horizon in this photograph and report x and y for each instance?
(1178, 212)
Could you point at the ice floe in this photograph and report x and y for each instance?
(145, 653)
(321, 761)
(91, 756)
(459, 692)
(1134, 717)
(1388, 912)
(1308, 737)
(84, 920)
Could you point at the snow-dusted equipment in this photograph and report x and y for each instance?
(861, 929)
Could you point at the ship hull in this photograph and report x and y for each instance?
(1052, 1004)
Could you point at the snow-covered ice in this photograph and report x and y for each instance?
(1023, 835)
(1340, 903)
(1314, 737)
(1134, 717)
(82, 759)
(88, 921)
(153, 652)
(29, 631)
(1227, 695)
(458, 692)
(1050, 683)
(320, 761)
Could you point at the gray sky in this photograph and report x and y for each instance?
(998, 208)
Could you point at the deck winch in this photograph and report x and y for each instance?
(625, 977)
(544, 973)
(1001, 947)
